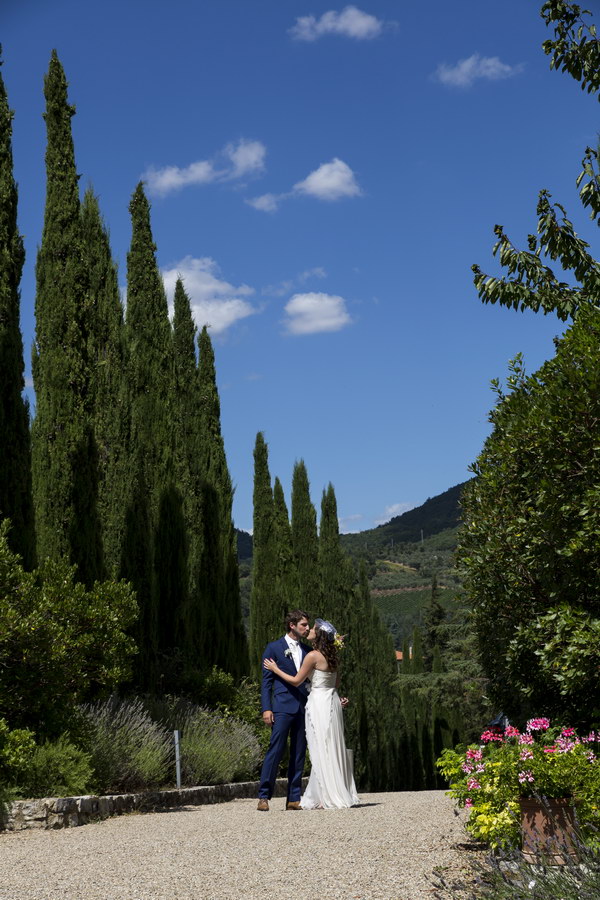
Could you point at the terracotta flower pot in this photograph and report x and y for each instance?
(548, 831)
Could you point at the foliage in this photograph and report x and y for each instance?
(532, 521)
(128, 750)
(16, 502)
(489, 778)
(17, 747)
(59, 643)
(565, 642)
(530, 283)
(305, 542)
(107, 408)
(266, 612)
(576, 48)
(64, 455)
(504, 874)
(56, 769)
(215, 750)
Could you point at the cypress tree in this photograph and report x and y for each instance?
(433, 616)
(285, 578)
(264, 557)
(336, 579)
(305, 542)
(191, 624)
(64, 457)
(417, 667)
(150, 451)
(16, 502)
(229, 648)
(107, 397)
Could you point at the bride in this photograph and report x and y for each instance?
(331, 782)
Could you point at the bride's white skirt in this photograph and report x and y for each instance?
(331, 783)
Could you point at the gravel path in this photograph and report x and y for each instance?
(386, 849)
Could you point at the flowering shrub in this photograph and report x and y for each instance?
(491, 777)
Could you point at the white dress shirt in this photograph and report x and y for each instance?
(296, 652)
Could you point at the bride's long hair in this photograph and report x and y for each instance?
(324, 643)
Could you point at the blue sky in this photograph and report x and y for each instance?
(323, 176)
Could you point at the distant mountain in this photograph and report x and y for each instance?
(436, 514)
(244, 544)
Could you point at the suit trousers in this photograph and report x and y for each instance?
(285, 724)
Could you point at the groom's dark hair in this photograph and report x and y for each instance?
(293, 617)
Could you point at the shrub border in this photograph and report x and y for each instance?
(68, 812)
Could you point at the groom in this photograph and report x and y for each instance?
(283, 711)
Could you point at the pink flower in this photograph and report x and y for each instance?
(488, 736)
(511, 731)
(538, 724)
(525, 776)
(474, 754)
(467, 769)
(564, 745)
(591, 756)
(468, 803)
(526, 739)
(568, 732)
(480, 768)
(526, 753)
(473, 784)
(551, 749)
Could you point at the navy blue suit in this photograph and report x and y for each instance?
(287, 703)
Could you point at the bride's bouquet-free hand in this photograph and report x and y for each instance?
(542, 761)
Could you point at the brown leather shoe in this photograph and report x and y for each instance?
(263, 805)
(293, 804)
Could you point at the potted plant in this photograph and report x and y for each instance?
(523, 786)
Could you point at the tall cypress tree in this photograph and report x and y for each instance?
(107, 397)
(228, 646)
(305, 542)
(64, 457)
(264, 559)
(191, 624)
(16, 502)
(151, 438)
(285, 577)
(334, 568)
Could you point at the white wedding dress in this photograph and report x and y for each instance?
(331, 783)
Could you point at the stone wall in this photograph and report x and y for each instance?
(66, 812)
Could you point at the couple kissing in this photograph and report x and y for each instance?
(300, 701)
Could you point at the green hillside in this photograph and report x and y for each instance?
(401, 564)
(401, 581)
(437, 514)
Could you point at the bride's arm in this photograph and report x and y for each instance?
(305, 669)
(343, 700)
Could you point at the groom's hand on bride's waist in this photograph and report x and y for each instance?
(268, 718)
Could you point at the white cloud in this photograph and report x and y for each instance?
(466, 71)
(171, 178)
(266, 202)
(350, 22)
(334, 180)
(214, 302)
(248, 157)
(241, 158)
(331, 181)
(312, 313)
(284, 287)
(317, 272)
(396, 509)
